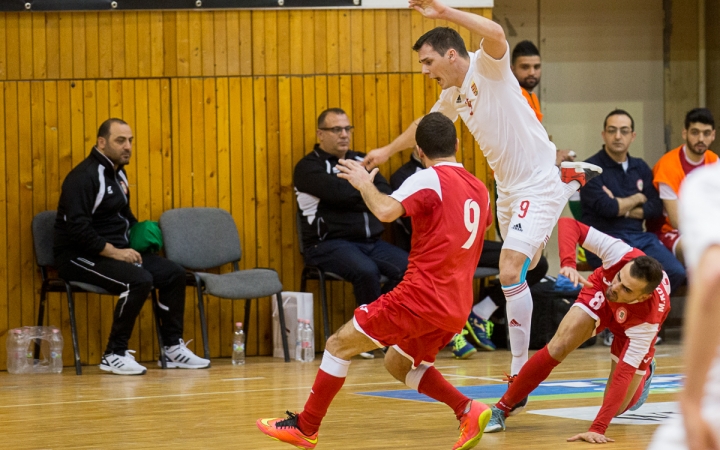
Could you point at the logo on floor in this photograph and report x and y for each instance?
(549, 390)
(647, 414)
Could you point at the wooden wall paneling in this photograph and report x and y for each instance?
(37, 188)
(331, 41)
(308, 41)
(52, 168)
(274, 104)
(157, 47)
(132, 55)
(156, 174)
(282, 36)
(3, 41)
(382, 44)
(246, 43)
(370, 115)
(25, 299)
(233, 42)
(4, 304)
(52, 45)
(290, 273)
(77, 22)
(168, 47)
(297, 28)
(344, 42)
(357, 113)
(320, 38)
(260, 47)
(224, 201)
(144, 35)
(356, 52)
(26, 41)
(270, 41)
(408, 58)
(182, 48)
(105, 45)
(390, 103)
(235, 120)
(195, 39)
(12, 46)
(207, 44)
(368, 41)
(247, 226)
(321, 94)
(198, 141)
(166, 148)
(65, 45)
(39, 52)
(382, 117)
(221, 44)
(209, 178)
(310, 113)
(117, 28)
(392, 51)
(92, 41)
(12, 149)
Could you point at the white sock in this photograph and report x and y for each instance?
(412, 379)
(571, 188)
(334, 366)
(519, 314)
(485, 308)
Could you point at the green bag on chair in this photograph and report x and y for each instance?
(146, 237)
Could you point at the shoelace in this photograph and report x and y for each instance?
(489, 328)
(509, 378)
(290, 422)
(459, 340)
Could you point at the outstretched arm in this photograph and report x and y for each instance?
(494, 41)
(406, 140)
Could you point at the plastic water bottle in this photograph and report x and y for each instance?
(238, 357)
(56, 348)
(17, 351)
(307, 342)
(298, 340)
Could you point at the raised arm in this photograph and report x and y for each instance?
(406, 140)
(571, 232)
(494, 41)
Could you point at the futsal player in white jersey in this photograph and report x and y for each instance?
(481, 89)
(699, 426)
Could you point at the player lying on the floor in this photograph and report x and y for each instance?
(630, 295)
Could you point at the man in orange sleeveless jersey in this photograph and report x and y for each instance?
(671, 170)
(527, 68)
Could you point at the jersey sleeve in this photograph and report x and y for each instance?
(417, 190)
(609, 249)
(616, 391)
(666, 192)
(445, 104)
(495, 69)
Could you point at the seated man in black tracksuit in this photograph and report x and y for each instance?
(479, 326)
(339, 233)
(92, 246)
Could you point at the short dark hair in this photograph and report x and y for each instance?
(619, 112)
(436, 135)
(442, 39)
(321, 117)
(524, 48)
(649, 269)
(701, 115)
(104, 130)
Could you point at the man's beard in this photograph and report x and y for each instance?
(529, 83)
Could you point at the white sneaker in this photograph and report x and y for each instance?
(367, 355)
(122, 365)
(181, 357)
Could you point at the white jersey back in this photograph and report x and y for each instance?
(699, 212)
(492, 106)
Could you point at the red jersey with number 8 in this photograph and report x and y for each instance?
(449, 209)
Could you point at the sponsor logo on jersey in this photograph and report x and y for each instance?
(109, 190)
(640, 184)
(459, 100)
(515, 323)
(606, 281)
(647, 359)
(517, 227)
(621, 315)
(474, 88)
(124, 187)
(363, 308)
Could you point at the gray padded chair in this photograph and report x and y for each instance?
(204, 238)
(43, 229)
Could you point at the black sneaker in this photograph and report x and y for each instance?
(519, 406)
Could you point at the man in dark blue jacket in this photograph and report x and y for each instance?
(92, 246)
(618, 201)
(339, 233)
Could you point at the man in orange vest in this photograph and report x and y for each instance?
(671, 170)
(527, 68)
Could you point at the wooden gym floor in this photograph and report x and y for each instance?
(217, 408)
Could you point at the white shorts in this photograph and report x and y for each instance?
(527, 218)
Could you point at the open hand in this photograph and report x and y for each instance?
(591, 437)
(432, 9)
(355, 172)
(574, 276)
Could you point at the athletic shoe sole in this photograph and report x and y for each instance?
(483, 420)
(122, 372)
(176, 365)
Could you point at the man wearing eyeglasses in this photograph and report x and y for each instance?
(339, 233)
(618, 201)
(670, 172)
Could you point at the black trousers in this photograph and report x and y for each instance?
(132, 284)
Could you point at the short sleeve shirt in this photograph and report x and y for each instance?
(699, 206)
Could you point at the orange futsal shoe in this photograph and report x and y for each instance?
(472, 425)
(286, 430)
(581, 172)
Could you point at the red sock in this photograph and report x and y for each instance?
(322, 394)
(639, 390)
(534, 372)
(436, 387)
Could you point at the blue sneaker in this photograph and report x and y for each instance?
(479, 332)
(646, 388)
(461, 348)
(497, 421)
(519, 406)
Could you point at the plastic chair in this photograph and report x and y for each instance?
(204, 238)
(43, 229)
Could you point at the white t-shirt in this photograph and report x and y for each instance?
(513, 140)
(699, 206)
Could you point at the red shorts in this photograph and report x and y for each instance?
(669, 239)
(389, 323)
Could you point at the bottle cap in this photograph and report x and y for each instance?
(238, 324)
(55, 330)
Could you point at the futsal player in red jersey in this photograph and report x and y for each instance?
(449, 209)
(630, 295)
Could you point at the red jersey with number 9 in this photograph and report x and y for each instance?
(449, 209)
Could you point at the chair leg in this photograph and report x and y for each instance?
(246, 323)
(163, 361)
(303, 280)
(203, 323)
(283, 331)
(73, 328)
(41, 317)
(323, 298)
